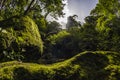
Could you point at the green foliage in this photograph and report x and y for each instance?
(53, 27)
(20, 34)
(106, 8)
(75, 40)
(82, 39)
(55, 43)
(41, 22)
(107, 24)
(20, 40)
(107, 11)
(84, 66)
(11, 8)
(33, 8)
(57, 37)
(8, 56)
(53, 7)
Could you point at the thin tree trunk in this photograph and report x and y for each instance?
(46, 14)
(29, 6)
(2, 3)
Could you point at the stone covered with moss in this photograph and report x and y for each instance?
(88, 65)
(20, 34)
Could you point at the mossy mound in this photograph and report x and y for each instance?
(20, 34)
(84, 66)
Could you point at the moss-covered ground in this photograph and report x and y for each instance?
(99, 65)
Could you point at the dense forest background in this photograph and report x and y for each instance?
(27, 36)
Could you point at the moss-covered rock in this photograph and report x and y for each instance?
(97, 65)
(20, 34)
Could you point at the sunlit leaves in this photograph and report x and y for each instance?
(108, 24)
(57, 37)
(106, 7)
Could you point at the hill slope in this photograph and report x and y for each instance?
(99, 65)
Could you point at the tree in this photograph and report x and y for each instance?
(33, 8)
(53, 27)
(72, 22)
(57, 45)
(106, 11)
(107, 24)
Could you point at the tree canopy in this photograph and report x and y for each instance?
(34, 8)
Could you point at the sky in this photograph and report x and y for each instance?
(81, 8)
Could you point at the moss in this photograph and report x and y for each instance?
(30, 33)
(18, 33)
(6, 37)
(84, 66)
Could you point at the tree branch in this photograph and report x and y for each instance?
(29, 6)
(46, 14)
(2, 3)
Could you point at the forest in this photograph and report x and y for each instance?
(35, 48)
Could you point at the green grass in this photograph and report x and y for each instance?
(99, 65)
